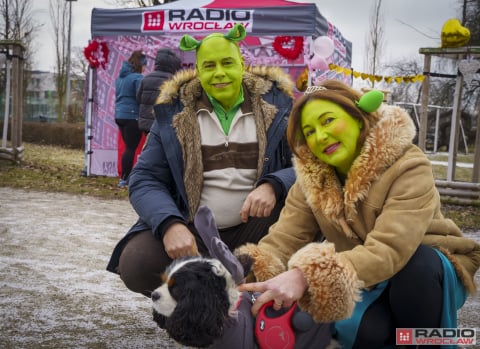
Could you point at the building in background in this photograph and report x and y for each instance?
(41, 99)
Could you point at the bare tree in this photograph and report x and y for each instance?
(59, 15)
(375, 40)
(405, 92)
(18, 23)
(470, 16)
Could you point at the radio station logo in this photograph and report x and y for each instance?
(192, 20)
(153, 21)
(436, 336)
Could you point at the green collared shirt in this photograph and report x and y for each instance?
(226, 117)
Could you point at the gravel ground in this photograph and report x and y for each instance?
(54, 289)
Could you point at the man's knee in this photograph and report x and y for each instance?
(142, 263)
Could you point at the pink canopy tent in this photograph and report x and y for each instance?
(279, 33)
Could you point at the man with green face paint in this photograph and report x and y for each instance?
(218, 140)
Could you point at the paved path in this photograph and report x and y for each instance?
(54, 289)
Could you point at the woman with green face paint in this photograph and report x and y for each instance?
(362, 234)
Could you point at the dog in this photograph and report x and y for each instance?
(196, 299)
(199, 304)
(199, 295)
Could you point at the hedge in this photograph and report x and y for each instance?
(69, 135)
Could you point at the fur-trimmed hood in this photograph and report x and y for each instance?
(186, 84)
(384, 145)
(185, 91)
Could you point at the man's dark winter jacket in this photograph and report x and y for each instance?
(166, 182)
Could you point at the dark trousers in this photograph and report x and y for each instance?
(143, 260)
(412, 299)
(131, 136)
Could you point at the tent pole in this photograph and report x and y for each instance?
(88, 157)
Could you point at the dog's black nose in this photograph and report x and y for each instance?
(155, 296)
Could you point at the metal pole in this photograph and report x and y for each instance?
(88, 157)
(7, 101)
(67, 99)
(422, 127)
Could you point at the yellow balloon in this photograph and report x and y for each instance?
(454, 34)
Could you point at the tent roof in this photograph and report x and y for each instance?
(260, 17)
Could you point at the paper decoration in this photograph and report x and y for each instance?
(96, 54)
(468, 68)
(289, 47)
(376, 78)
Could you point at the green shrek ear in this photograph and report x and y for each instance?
(370, 101)
(189, 43)
(237, 33)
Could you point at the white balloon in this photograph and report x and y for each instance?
(323, 46)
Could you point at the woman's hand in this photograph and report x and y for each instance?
(284, 289)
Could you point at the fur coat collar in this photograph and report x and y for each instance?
(185, 88)
(384, 145)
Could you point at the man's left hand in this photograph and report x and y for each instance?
(259, 203)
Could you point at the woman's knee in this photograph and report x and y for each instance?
(424, 267)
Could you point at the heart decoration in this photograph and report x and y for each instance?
(454, 34)
(96, 54)
(288, 47)
(468, 68)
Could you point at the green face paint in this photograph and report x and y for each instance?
(220, 68)
(331, 133)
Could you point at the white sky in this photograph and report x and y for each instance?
(403, 20)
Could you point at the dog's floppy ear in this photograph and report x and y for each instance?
(207, 229)
(200, 314)
(160, 319)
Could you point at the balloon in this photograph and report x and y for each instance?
(318, 62)
(323, 46)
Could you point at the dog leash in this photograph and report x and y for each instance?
(276, 328)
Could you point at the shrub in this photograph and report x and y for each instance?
(69, 135)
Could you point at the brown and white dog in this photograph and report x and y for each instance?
(197, 298)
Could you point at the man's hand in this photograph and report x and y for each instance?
(179, 241)
(259, 203)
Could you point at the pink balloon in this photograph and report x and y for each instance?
(323, 46)
(318, 62)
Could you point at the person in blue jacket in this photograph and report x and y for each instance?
(219, 139)
(127, 109)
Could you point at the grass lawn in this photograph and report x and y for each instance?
(50, 168)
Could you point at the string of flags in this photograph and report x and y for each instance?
(376, 78)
